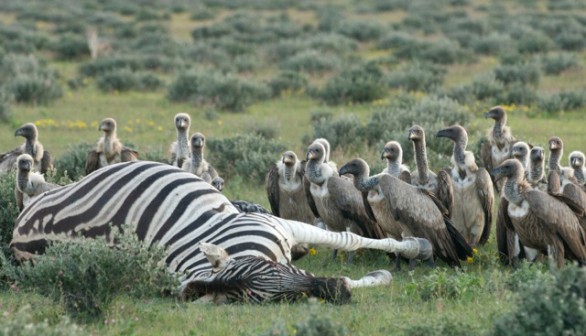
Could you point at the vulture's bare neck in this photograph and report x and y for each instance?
(365, 183)
(537, 172)
(290, 170)
(31, 146)
(513, 189)
(182, 142)
(421, 160)
(197, 157)
(554, 160)
(110, 143)
(498, 130)
(24, 182)
(460, 152)
(314, 171)
(579, 175)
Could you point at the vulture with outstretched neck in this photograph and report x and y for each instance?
(198, 164)
(500, 141)
(393, 153)
(181, 149)
(472, 189)
(577, 159)
(337, 202)
(28, 183)
(109, 149)
(536, 175)
(404, 210)
(545, 222)
(42, 159)
(285, 189)
(440, 185)
(561, 179)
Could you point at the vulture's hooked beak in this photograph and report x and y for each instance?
(445, 133)
(385, 154)
(498, 173)
(288, 160)
(18, 132)
(488, 115)
(310, 155)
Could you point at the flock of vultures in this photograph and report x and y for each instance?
(541, 213)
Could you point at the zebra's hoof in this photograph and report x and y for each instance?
(424, 248)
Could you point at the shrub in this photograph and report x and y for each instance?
(70, 47)
(311, 61)
(441, 284)
(119, 80)
(561, 101)
(6, 99)
(360, 83)
(417, 77)
(533, 42)
(8, 209)
(443, 52)
(527, 74)
(71, 164)
(555, 64)
(492, 44)
(342, 131)
(440, 328)
(243, 155)
(361, 30)
(23, 323)
(551, 304)
(519, 94)
(287, 81)
(131, 62)
(395, 39)
(571, 41)
(87, 274)
(39, 88)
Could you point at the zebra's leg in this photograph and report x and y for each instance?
(410, 248)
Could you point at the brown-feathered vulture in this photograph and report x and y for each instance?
(536, 176)
(198, 164)
(393, 153)
(544, 222)
(412, 209)
(561, 179)
(181, 149)
(109, 149)
(472, 188)
(42, 159)
(285, 189)
(28, 183)
(500, 141)
(577, 160)
(439, 185)
(337, 202)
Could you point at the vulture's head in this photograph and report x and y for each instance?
(198, 140)
(537, 154)
(324, 142)
(356, 167)
(509, 168)
(25, 163)
(182, 121)
(496, 113)
(289, 158)
(28, 130)
(520, 150)
(392, 151)
(576, 159)
(108, 125)
(416, 133)
(456, 133)
(218, 183)
(555, 144)
(316, 152)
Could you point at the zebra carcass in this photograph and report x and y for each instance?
(178, 210)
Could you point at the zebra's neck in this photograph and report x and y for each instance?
(421, 160)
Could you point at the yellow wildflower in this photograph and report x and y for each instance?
(127, 129)
(312, 251)
(475, 251)
(469, 260)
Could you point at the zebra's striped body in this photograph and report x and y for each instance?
(173, 208)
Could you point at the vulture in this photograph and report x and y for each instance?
(338, 203)
(29, 184)
(285, 189)
(180, 149)
(472, 189)
(198, 165)
(439, 185)
(218, 183)
(500, 140)
(42, 159)
(407, 211)
(556, 150)
(545, 222)
(393, 153)
(109, 149)
(520, 151)
(577, 163)
(536, 175)
(562, 179)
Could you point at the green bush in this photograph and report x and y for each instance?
(23, 323)
(571, 41)
(492, 44)
(120, 80)
(87, 274)
(131, 62)
(519, 94)
(39, 88)
(358, 84)
(556, 64)
(561, 101)
(149, 82)
(531, 42)
(447, 285)
(8, 209)
(71, 164)
(551, 304)
(443, 52)
(361, 30)
(440, 328)
(70, 47)
(6, 99)
(417, 77)
(396, 39)
(342, 131)
(312, 61)
(526, 74)
(243, 155)
(288, 81)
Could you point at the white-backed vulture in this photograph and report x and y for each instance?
(109, 149)
(29, 184)
(439, 185)
(544, 222)
(43, 161)
(561, 179)
(556, 151)
(536, 175)
(198, 164)
(393, 153)
(577, 160)
(218, 183)
(500, 140)
(337, 202)
(396, 203)
(285, 189)
(472, 188)
(181, 149)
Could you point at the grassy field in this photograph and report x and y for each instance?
(440, 300)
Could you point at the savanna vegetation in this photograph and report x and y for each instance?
(262, 76)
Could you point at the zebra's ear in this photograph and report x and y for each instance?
(216, 255)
